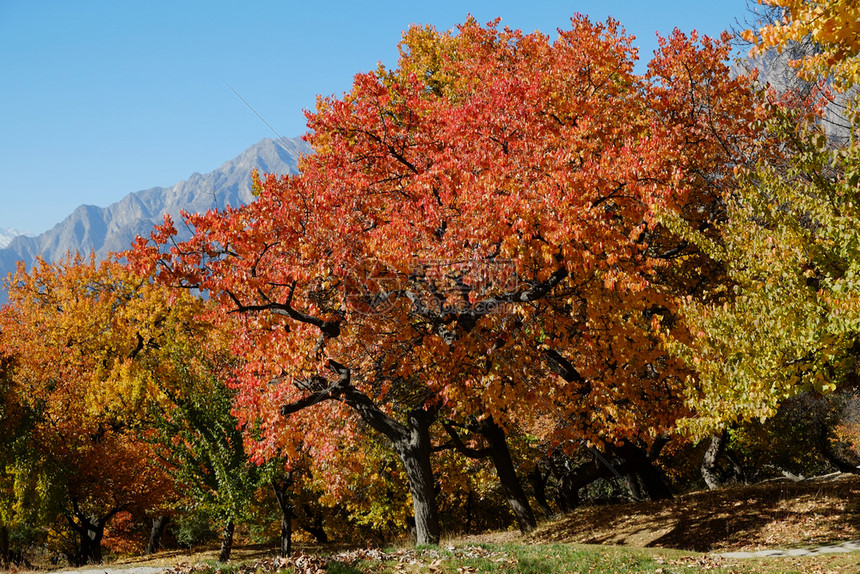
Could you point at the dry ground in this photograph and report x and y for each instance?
(777, 514)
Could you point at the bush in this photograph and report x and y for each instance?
(193, 528)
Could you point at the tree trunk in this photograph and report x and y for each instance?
(631, 479)
(90, 535)
(90, 531)
(286, 545)
(571, 479)
(636, 470)
(410, 529)
(469, 496)
(411, 442)
(503, 463)
(226, 541)
(159, 524)
(511, 485)
(282, 488)
(314, 526)
(414, 451)
(5, 555)
(537, 480)
(566, 496)
(90, 549)
(709, 462)
(652, 482)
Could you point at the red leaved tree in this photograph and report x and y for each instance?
(474, 238)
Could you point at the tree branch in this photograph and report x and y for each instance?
(461, 446)
(562, 367)
(342, 390)
(329, 328)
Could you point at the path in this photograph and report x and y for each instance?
(844, 548)
(117, 570)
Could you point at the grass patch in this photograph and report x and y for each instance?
(518, 557)
(523, 558)
(341, 568)
(506, 558)
(549, 559)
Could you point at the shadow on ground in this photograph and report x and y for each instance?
(773, 514)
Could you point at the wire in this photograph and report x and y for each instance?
(262, 119)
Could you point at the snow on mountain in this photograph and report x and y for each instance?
(7, 235)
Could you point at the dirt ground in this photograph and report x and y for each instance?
(776, 514)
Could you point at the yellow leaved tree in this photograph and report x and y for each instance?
(834, 26)
(787, 319)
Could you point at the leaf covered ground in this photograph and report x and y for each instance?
(777, 514)
(680, 535)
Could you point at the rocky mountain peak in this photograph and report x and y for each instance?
(113, 228)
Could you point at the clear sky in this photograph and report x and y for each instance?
(102, 98)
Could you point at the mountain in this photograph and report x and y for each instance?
(113, 228)
(7, 235)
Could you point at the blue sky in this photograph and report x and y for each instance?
(102, 98)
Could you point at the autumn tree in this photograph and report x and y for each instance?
(200, 441)
(832, 25)
(785, 323)
(475, 236)
(13, 428)
(78, 332)
(29, 498)
(783, 53)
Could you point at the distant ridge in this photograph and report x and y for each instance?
(113, 228)
(7, 235)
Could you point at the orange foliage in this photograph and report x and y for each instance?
(80, 335)
(487, 205)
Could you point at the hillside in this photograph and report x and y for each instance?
(774, 514)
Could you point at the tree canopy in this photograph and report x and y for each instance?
(477, 219)
(786, 320)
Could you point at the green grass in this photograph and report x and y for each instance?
(513, 558)
(340, 568)
(554, 558)
(466, 557)
(580, 559)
